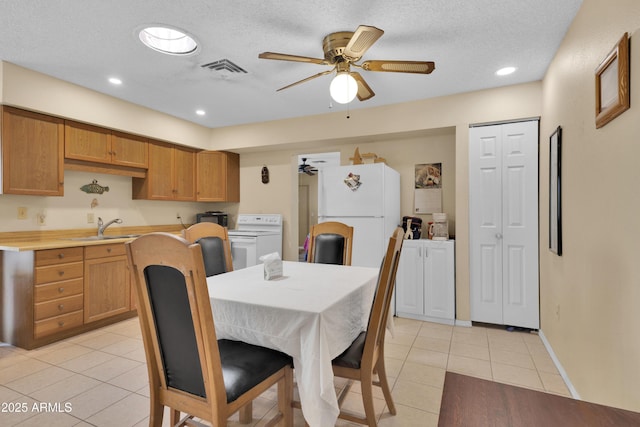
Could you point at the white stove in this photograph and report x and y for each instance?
(256, 235)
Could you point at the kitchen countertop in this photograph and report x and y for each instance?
(33, 240)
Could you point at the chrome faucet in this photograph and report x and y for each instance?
(102, 227)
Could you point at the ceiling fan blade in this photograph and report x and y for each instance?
(419, 67)
(363, 38)
(305, 80)
(294, 58)
(364, 91)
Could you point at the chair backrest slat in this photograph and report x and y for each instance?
(382, 299)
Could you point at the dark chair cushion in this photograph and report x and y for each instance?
(352, 356)
(213, 255)
(174, 326)
(329, 249)
(244, 366)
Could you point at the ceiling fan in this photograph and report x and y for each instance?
(305, 168)
(344, 49)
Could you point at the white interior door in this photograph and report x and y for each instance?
(503, 204)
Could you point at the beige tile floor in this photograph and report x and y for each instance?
(102, 375)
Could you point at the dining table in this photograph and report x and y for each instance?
(313, 312)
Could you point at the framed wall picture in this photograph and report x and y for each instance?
(555, 191)
(612, 83)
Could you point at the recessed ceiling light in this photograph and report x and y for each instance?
(168, 40)
(200, 112)
(115, 81)
(505, 71)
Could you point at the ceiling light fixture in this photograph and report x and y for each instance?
(343, 88)
(115, 81)
(168, 40)
(200, 112)
(505, 71)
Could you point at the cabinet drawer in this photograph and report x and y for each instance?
(56, 324)
(57, 256)
(60, 289)
(55, 273)
(101, 251)
(58, 306)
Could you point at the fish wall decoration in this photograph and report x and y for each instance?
(94, 188)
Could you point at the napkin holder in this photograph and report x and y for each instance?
(272, 266)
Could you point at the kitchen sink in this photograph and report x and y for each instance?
(94, 238)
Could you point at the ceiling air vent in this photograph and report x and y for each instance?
(224, 64)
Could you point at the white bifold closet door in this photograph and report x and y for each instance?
(503, 224)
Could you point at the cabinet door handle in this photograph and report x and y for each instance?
(61, 323)
(109, 250)
(426, 253)
(61, 289)
(60, 307)
(61, 255)
(61, 273)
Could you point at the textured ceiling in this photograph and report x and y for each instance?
(87, 41)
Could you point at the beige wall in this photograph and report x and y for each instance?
(590, 295)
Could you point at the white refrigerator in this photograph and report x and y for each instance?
(371, 205)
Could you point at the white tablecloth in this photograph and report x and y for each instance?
(313, 313)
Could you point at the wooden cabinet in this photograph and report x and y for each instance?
(107, 284)
(52, 294)
(58, 291)
(95, 144)
(171, 174)
(425, 281)
(218, 176)
(32, 153)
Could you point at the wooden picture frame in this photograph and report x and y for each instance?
(612, 83)
(555, 191)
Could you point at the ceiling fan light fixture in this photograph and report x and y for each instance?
(343, 88)
(167, 40)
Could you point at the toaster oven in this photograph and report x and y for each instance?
(216, 217)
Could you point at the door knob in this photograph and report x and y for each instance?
(498, 236)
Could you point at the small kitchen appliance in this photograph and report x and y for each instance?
(216, 217)
(440, 227)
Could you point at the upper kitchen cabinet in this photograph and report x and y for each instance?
(92, 144)
(32, 153)
(218, 176)
(171, 174)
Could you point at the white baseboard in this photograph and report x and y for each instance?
(466, 323)
(563, 373)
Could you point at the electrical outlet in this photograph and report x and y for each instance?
(41, 218)
(22, 213)
(90, 218)
(178, 216)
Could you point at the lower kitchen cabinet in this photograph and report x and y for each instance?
(51, 294)
(425, 281)
(58, 291)
(107, 284)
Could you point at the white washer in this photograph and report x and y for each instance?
(255, 235)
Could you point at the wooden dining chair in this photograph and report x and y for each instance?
(190, 370)
(364, 359)
(330, 243)
(216, 247)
